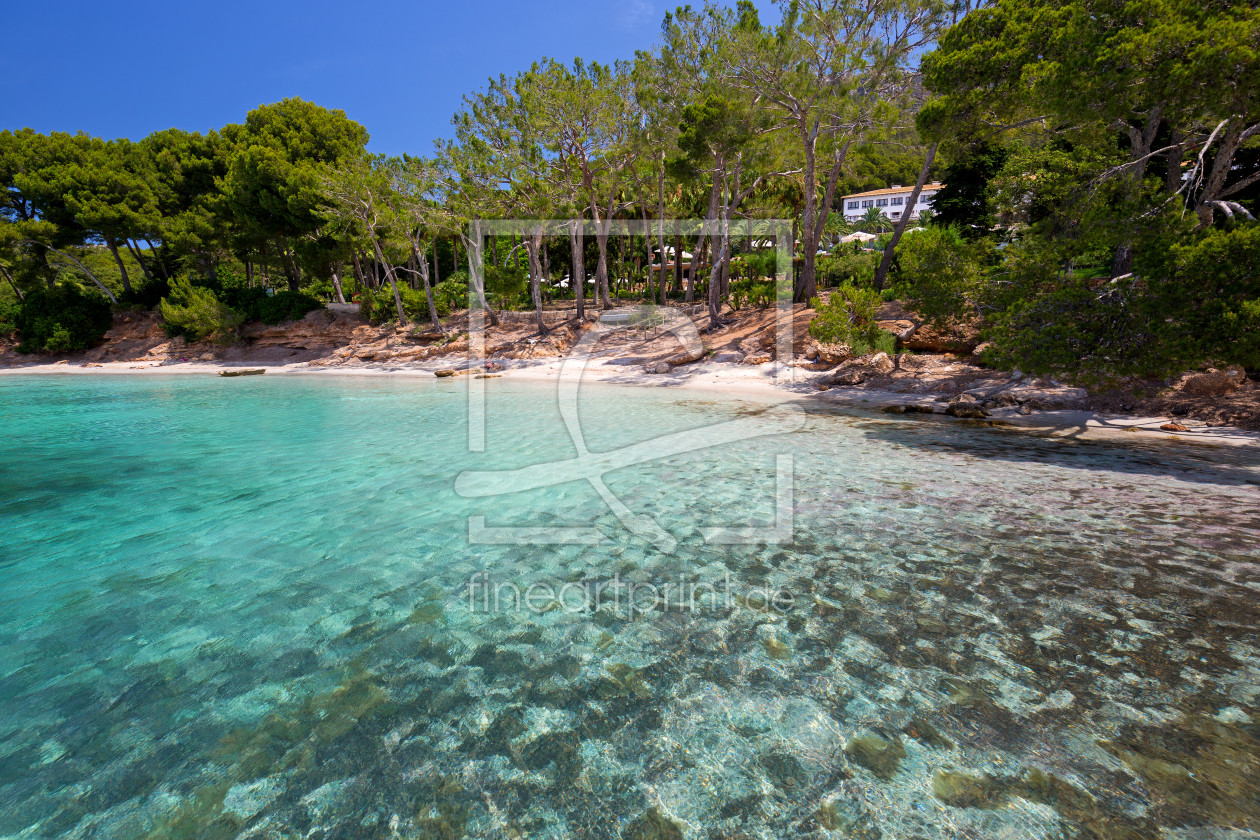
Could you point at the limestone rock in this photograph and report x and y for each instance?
(729, 358)
(657, 367)
(881, 363)
(1215, 383)
(957, 339)
(834, 354)
(967, 411)
(903, 328)
(848, 377)
(687, 356)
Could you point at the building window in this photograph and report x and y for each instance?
(853, 205)
(896, 202)
(868, 203)
(897, 214)
(881, 202)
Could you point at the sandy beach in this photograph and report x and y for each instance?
(770, 382)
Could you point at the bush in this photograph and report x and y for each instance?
(849, 318)
(195, 313)
(747, 292)
(450, 294)
(855, 269)
(939, 273)
(287, 306)
(147, 295)
(254, 304)
(8, 317)
(61, 320)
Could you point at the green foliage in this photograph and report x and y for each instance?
(966, 200)
(856, 269)
(940, 273)
(255, 304)
(1194, 299)
(195, 313)
(378, 305)
(746, 292)
(147, 295)
(8, 317)
(849, 318)
(287, 306)
(62, 320)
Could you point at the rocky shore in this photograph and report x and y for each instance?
(933, 372)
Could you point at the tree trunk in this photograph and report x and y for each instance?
(601, 267)
(476, 273)
(1172, 177)
(423, 265)
(532, 243)
(660, 221)
(336, 281)
(122, 269)
(885, 262)
(678, 277)
(157, 258)
(1222, 163)
(360, 281)
(249, 274)
(88, 272)
(9, 277)
(135, 254)
(647, 244)
(577, 275)
(393, 283)
(546, 268)
(413, 271)
(814, 217)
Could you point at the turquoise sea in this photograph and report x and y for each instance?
(241, 608)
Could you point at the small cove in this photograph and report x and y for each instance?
(242, 606)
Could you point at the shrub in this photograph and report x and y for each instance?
(747, 292)
(450, 294)
(8, 317)
(849, 318)
(856, 269)
(287, 306)
(196, 313)
(940, 273)
(254, 304)
(62, 319)
(147, 295)
(1193, 299)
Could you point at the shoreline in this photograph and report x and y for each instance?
(767, 380)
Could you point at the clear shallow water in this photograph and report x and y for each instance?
(240, 608)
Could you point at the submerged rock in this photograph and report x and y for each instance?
(960, 790)
(651, 825)
(927, 734)
(880, 755)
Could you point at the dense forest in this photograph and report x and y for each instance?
(1101, 162)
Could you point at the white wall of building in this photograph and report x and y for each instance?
(891, 202)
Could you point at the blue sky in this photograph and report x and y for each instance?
(128, 68)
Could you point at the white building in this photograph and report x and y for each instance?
(891, 202)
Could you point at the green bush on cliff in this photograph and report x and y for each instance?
(62, 320)
(195, 313)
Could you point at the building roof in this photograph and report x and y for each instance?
(932, 187)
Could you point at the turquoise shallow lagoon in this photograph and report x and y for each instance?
(240, 608)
